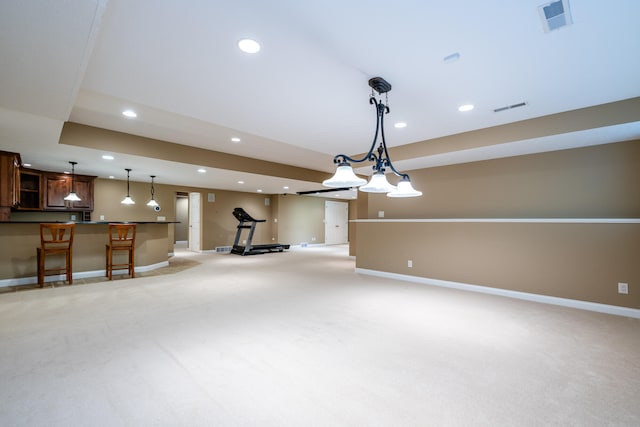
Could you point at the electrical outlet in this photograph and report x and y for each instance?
(101, 217)
(623, 288)
(313, 239)
(410, 263)
(73, 217)
(380, 214)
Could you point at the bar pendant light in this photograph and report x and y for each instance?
(128, 200)
(152, 202)
(73, 196)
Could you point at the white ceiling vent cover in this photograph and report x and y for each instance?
(555, 15)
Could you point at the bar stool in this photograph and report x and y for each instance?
(122, 237)
(55, 239)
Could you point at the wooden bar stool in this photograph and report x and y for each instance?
(55, 239)
(122, 237)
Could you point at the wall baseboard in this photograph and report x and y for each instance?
(79, 275)
(545, 299)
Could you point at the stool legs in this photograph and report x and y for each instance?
(107, 256)
(69, 268)
(40, 261)
(41, 270)
(132, 271)
(110, 266)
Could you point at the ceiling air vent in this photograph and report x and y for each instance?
(510, 107)
(555, 15)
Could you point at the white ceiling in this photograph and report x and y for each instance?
(304, 97)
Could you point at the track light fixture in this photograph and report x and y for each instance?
(73, 196)
(152, 202)
(128, 200)
(344, 176)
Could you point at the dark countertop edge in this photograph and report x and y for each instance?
(90, 222)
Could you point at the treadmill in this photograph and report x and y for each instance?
(247, 222)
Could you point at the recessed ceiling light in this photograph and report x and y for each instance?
(466, 107)
(234, 139)
(285, 187)
(249, 46)
(129, 113)
(201, 170)
(259, 190)
(111, 177)
(107, 157)
(400, 125)
(27, 165)
(240, 182)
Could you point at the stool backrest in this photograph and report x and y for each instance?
(122, 235)
(56, 235)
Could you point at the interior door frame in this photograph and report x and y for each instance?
(330, 223)
(195, 213)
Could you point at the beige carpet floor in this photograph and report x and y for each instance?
(299, 339)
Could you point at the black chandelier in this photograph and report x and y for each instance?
(344, 176)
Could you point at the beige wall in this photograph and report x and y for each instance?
(102, 139)
(218, 225)
(578, 261)
(301, 219)
(357, 209)
(290, 219)
(591, 182)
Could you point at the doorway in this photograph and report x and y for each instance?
(336, 223)
(182, 219)
(194, 222)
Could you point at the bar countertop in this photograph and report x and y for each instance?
(90, 222)
(19, 240)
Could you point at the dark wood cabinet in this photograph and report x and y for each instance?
(57, 187)
(25, 189)
(84, 189)
(9, 165)
(30, 190)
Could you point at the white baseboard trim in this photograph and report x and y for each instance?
(79, 275)
(545, 299)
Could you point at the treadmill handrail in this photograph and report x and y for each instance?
(242, 216)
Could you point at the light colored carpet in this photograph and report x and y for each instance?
(299, 339)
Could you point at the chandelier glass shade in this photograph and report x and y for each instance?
(345, 177)
(378, 184)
